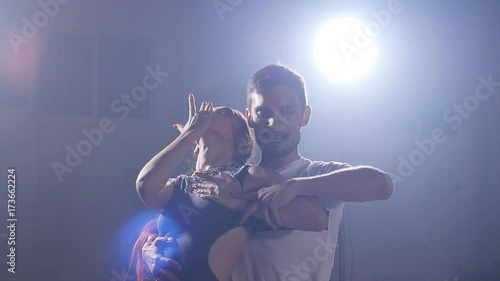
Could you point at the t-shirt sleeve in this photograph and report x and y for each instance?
(320, 168)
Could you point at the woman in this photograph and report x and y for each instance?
(204, 220)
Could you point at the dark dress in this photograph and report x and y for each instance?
(197, 223)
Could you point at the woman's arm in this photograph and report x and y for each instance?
(154, 184)
(350, 184)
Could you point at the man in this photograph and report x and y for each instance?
(277, 110)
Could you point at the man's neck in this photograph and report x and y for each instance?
(279, 162)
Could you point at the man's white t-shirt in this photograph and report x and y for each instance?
(293, 255)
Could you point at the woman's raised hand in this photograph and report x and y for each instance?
(198, 122)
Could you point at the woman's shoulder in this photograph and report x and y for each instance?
(256, 170)
(264, 172)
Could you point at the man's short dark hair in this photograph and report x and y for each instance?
(273, 75)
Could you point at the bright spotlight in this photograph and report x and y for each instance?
(345, 49)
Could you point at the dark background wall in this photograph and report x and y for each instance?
(441, 220)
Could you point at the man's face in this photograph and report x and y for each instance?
(276, 115)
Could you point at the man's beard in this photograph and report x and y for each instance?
(268, 151)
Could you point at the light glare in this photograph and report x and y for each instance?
(345, 49)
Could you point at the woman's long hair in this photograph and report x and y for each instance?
(136, 259)
(244, 139)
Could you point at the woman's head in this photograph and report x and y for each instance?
(229, 126)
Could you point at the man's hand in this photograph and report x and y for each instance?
(223, 190)
(269, 200)
(158, 264)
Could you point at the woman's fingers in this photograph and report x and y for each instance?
(162, 240)
(151, 238)
(208, 197)
(192, 105)
(208, 189)
(206, 106)
(179, 127)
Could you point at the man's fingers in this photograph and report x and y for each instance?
(192, 105)
(267, 219)
(275, 217)
(251, 210)
(265, 198)
(245, 196)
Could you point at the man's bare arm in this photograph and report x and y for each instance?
(356, 184)
(302, 213)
